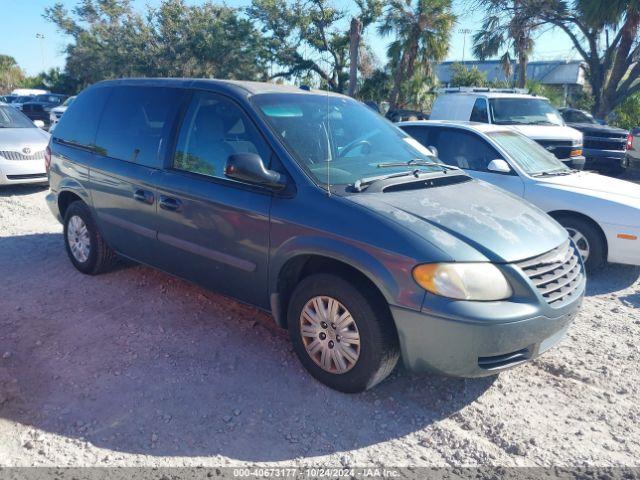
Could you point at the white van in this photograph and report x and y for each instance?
(531, 115)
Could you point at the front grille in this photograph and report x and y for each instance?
(556, 274)
(503, 361)
(11, 155)
(605, 142)
(560, 148)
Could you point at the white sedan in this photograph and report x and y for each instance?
(602, 214)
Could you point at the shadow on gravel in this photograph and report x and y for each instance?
(612, 278)
(11, 190)
(137, 361)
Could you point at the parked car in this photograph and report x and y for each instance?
(20, 100)
(39, 108)
(56, 112)
(22, 147)
(602, 214)
(530, 115)
(632, 155)
(604, 146)
(312, 206)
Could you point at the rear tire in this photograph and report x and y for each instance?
(326, 313)
(587, 237)
(86, 248)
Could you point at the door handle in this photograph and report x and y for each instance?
(170, 203)
(144, 196)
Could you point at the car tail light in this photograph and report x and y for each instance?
(47, 158)
(629, 142)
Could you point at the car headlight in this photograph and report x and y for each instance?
(463, 281)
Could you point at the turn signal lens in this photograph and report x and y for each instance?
(576, 153)
(463, 281)
(629, 142)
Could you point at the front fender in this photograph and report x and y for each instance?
(390, 272)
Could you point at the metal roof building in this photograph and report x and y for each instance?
(552, 72)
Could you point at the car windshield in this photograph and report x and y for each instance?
(12, 118)
(339, 140)
(523, 111)
(23, 99)
(578, 116)
(68, 101)
(529, 155)
(48, 98)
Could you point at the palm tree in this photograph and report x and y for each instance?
(422, 29)
(508, 27)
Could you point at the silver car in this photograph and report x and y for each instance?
(22, 148)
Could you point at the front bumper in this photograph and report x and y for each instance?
(574, 162)
(22, 171)
(623, 243)
(603, 158)
(507, 336)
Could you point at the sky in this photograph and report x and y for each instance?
(23, 25)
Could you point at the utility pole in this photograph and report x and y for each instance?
(355, 33)
(464, 32)
(40, 36)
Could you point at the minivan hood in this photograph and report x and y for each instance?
(470, 221)
(15, 139)
(548, 132)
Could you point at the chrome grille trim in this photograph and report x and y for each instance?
(11, 155)
(555, 274)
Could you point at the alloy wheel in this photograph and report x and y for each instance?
(581, 242)
(78, 239)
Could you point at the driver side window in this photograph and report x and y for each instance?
(464, 149)
(213, 129)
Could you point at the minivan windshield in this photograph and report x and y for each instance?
(523, 111)
(338, 140)
(529, 155)
(12, 118)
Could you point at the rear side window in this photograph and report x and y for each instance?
(79, 123)
(479, 112)
(419, 133)
(464, 149)
(135, 121)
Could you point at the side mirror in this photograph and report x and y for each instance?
(434, 150)
(499, 166)
(38, 123)
(249, 168)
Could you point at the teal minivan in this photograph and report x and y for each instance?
(313, 207)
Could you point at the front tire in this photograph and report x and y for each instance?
(86, 248)
(588, 240)
(342, 335)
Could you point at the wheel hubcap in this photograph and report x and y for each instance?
(330, 334)
(581, 242)
(78, 239)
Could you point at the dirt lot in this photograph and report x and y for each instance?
(137, 368)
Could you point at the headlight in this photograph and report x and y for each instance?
(463, 281)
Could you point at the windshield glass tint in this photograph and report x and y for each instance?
(12, 118)
(339, 140)
(530, 156)
(523, 111)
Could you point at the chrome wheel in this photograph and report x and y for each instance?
(581, 242)
(78, 239)
(330, 334)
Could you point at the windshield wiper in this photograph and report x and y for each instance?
(362, 183)
(416, 163)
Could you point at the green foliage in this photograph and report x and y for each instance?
(554, 94)
(110, 39)
(377, 87)
(627, 115)
(54, 80)
(308, 40)
(467, 77)
(421, 31)
(11, 75)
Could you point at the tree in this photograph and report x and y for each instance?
(605, 34)
(11, 75)
(110, 39)
(421, 29)
(508, 26)
(54, 80)
(355, 33)
(465, 77)
(310, 36)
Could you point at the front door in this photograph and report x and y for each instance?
(213, 230)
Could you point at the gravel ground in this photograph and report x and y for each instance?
(135, 368)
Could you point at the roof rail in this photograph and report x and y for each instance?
(481, 90)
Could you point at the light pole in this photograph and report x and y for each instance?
(40, 37)
(464, 32)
